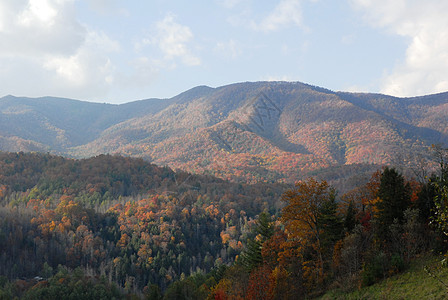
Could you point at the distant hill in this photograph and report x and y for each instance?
(261, 131)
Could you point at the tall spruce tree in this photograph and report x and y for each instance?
(394, 195)
(330, 223)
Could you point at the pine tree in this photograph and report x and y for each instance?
(251, 256)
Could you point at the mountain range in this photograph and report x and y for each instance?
(252, 131)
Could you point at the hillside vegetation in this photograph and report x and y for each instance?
(111, 226)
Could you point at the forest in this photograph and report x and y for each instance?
(114, 227)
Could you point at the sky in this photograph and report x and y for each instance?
(117, 51)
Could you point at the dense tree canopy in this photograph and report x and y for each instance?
(114, 227)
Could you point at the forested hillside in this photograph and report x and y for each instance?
(111, 226)
(244, 132)
(133, 222)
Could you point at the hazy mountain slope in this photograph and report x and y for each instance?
(244, 131)
(424, 116)
(58, 123)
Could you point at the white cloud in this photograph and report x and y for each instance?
(165, 47)
(38, 12)
(45, 50)
(425, 67)
(286, 13)
(88, 66)
(172, 40)
(39, 27)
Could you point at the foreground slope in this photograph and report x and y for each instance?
(414, 283)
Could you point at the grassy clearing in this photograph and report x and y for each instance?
(414, 283)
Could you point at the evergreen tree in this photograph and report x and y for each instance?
(330, 223)
(425, 200)
(394, 197)
(264, 229)
(350, 220)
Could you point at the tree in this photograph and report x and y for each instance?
(350, 220)
(440, 185)
(302, 217)
(251, 256)
(425, 200)
(394, 197)
(259, 284)
(182, 290)
(331, 223)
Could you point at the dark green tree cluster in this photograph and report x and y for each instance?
(63, 285)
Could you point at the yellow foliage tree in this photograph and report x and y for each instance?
(301, 217)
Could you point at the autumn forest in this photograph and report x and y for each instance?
(114, 227)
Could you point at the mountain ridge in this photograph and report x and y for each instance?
(250, 131)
